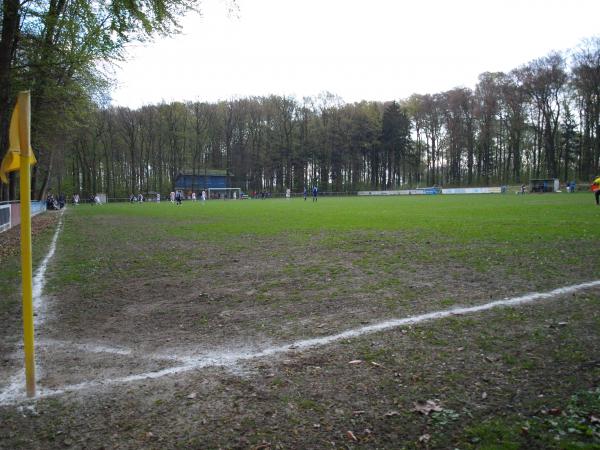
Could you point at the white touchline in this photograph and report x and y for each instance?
(230, 359)
(15, 386)
(39, 280)
(89, 348)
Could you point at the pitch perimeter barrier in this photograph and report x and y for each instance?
(419, 191)
(481, 190)
(10, 213)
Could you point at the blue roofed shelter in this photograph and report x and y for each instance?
(206, 179)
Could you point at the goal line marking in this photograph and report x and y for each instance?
(231, 359)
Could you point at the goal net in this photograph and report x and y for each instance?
(224, 193)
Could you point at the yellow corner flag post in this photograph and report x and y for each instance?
(20, 157)
(24, 103)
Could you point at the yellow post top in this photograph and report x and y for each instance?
(24, 102)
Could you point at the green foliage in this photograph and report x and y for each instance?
(58, 50)
(496, 219)
(574, 427)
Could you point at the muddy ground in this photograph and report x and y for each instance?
(122, 302)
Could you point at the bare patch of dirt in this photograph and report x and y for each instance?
(10, 240)
(281, 288)
(515, 361)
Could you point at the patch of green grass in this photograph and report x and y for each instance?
(509, 359)
(309, 404)
(466, 218)
(432, 336)
(570, 427)
(375, 354)
(447, 302)
(485, 342)
(528, 364)
(494, 435)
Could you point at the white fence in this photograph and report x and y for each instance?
(4, 217)
(10, 213)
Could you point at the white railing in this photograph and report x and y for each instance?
(10, 213)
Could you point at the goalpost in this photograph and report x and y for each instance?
(224, 193)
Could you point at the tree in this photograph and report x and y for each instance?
(586, 84)
(53, 46)
(543, 80)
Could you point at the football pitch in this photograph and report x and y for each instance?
(297, 324)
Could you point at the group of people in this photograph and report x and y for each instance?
(262, 194)
(177, 196)
(136, 198)
(315, 193)
(55, 203)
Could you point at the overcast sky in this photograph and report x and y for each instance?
(367, 49)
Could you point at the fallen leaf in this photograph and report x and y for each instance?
(594, 419)
(425, 407)
(355, 361)
(192, 395)
(376, 364)
(484, 395)
(425, 438)
(358, 413)
(392, 413)
(351, 436)
(554, 411)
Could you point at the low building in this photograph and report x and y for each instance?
(204, 179)
(544, 185)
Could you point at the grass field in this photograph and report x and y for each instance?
(197, 296)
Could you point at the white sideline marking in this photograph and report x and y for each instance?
(99, 348)
(90, 348)
(39, 280)
(229, 359)
(16, 385)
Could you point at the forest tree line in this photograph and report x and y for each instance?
(539, 120)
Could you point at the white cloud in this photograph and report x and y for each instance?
(374, 50)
